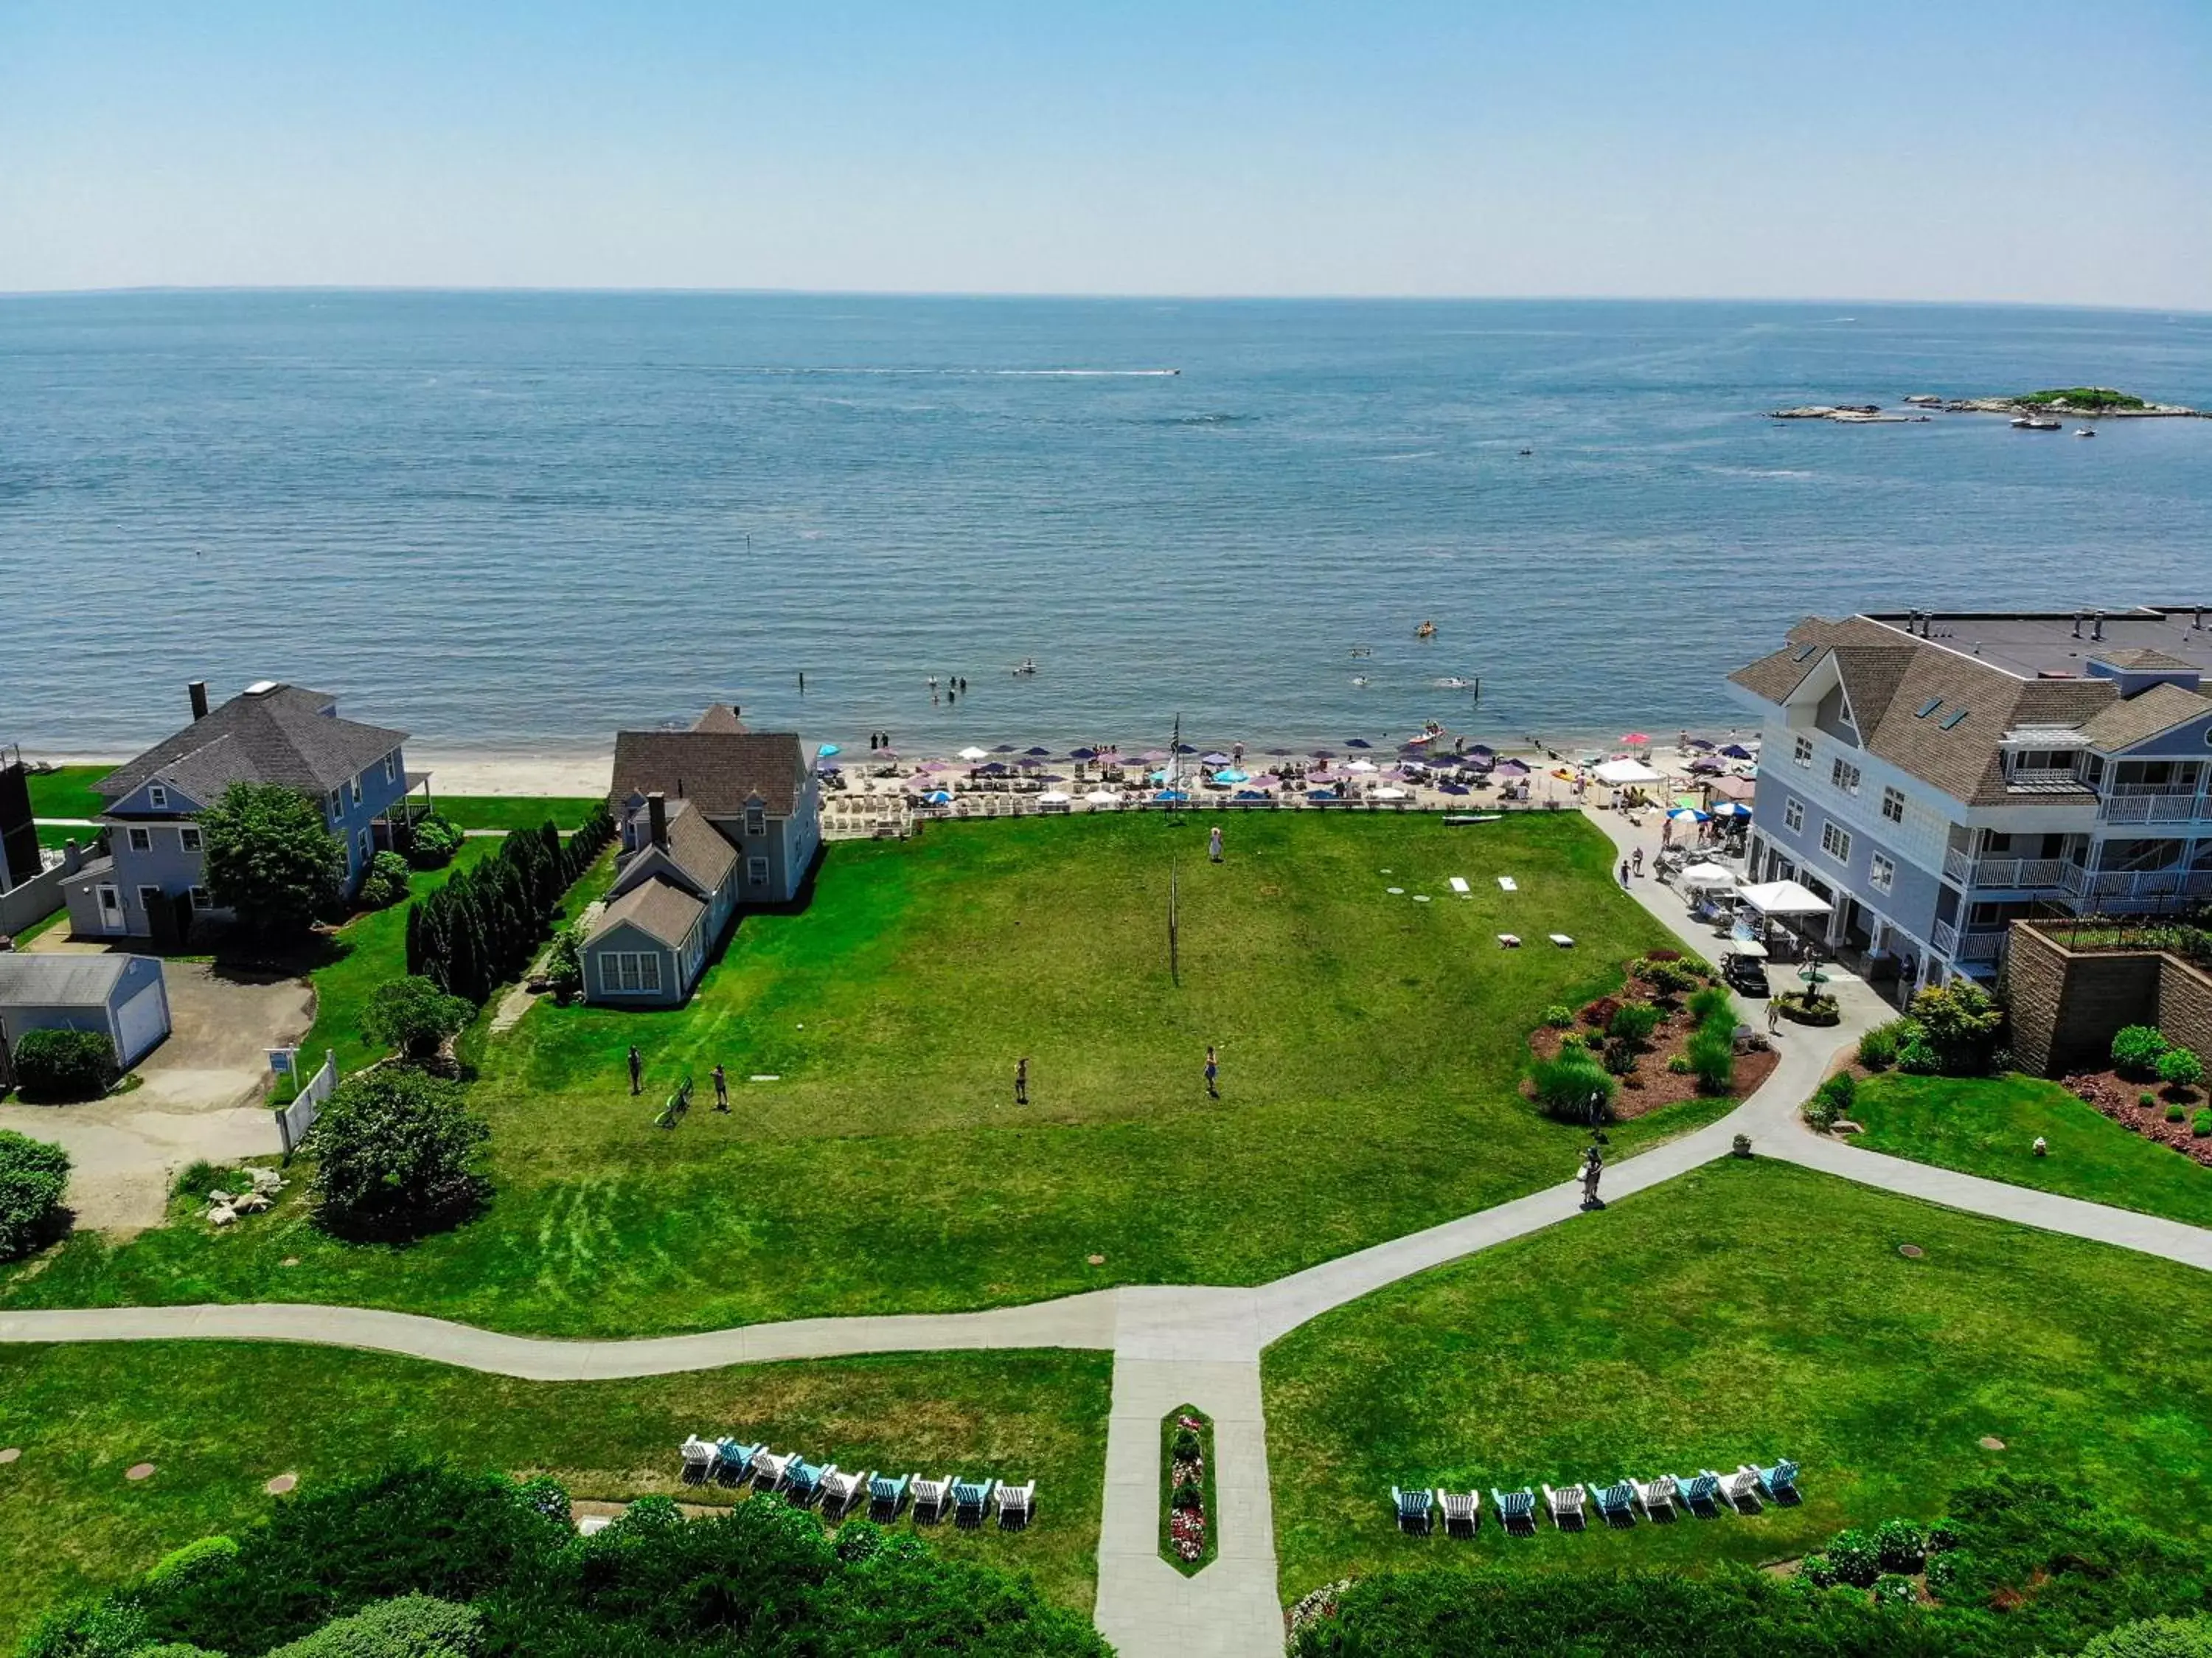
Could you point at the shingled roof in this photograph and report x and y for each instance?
(658, 909)
(2145, 660)
(717, 771)
(2158, 709)
(278, 735)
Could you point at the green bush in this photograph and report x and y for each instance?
(1564, 1086)
(1632, 1022)
(1680, 1064)
(1901, 1545)
(2201, 1124)
(112, 1627)
(1963, 1023)
(1878, 1048)
(1819, 1114)
(1891, 1589)
(2136, 1050)
(413, 1016)
(2175, 1111)
(858, 1539)
(1619, 1057)
(193, 1560)
(1573, 1042)
(33, 1175)
(1943, 1573)
(432, 841)
(1711, 1003)
(1841, 1091)
(1666, 978)
(1558, 1015)
(406, 1627)
(1712, 1056)
(392, 1150)
(58, 1067)
(564, 966)
(1943, 1536)
(1186, 1447)
(1817, 1569)
(2154, 1637)
(269, 859)
(2177, 1068)
(1856, 1559)
(1917, 1057)
(1187, 1497)
(385, 883)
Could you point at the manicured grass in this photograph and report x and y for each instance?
(219, 1419)
(66, 792)
(1371, 1047)
(1988, 1126)
(514, 810)
(1171, 1425)
(1747, 1311)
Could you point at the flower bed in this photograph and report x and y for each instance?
(1188, 1539)
(2121, 1100)
(1653, 1082)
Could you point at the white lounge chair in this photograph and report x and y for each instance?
(768, 1468)
(1507, 884)
(1566, 1503)
(1565, 941)
(698, 1459)
(1017, 1503)
(1735, 1487)
(932, 1494)
(1656, 1494)
(1460, 1508)
(844, 1488)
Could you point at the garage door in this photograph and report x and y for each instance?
(145, 1020)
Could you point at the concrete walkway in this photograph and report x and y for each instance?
(1197, 1346)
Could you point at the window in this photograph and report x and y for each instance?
(756, 871)
(1803, 755)
(1793, 815)
(1882, 873)
(367, 847)
(392, 766)
(1927, 708)
(142, 840)
(188, 838)
(1836, 843)
(629, 971)
(755, 820)
(338, 804)
(1844, 776)
(158, 798)
(200, 898)
(1950, 721)
(356, 791)
(1893, 806)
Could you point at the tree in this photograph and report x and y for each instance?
(269, 859)
(393, 1150)
(33, 1177)
(406, 1627)
(1961, 1022)
(413, 1016)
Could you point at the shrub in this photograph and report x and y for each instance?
(1186, 1447)
(857, 1539)
(1599, 1013)
(1856, 1560)
(269, 858)
(1187, 1497)
(59, 1066)
(1564, 1087)
(2177, 1068)
(385, 883)
(432, 841)
(1878, 1048)
(1632, 1022)
(393, 1150)
(1943, 1572)
(1891, 1589)
(1943, 1536)
(413, 1016)
(2154, 1637)
(1680, 1064)
(2175, 1111)
(2136, 1048)
(1710, 1003)
(1900, 1545)
(113, 1627)
(2201, 1124)
(564, 968)
(406, 1627)
(33, 1177)
(1573, 1042)
(1962, 1022)
(194, 1560)
(1619, 1057)
(1816, 1569)
(1558, 1015)
(1841, 1091)
(1712, 1056)
(1917, 1057)
(1819, 1114)
(1666, 978)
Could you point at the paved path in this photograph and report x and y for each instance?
(1197, 1346)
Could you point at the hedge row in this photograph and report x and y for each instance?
(480, 929)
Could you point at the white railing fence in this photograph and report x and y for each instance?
(293, 1120)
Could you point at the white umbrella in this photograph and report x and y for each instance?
(972, 752)
(1053, 798)
(1388, 792)
(1706, 874)
(1625, 774)
(1362, 765)
(1102, 797)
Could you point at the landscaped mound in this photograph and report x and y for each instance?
(1668, 1037)
(426, 1560)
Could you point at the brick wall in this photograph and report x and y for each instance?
(2068, 1005)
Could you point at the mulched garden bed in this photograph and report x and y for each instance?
(1651, 1087)
(2116, 1095)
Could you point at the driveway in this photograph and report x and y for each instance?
(198, 1100)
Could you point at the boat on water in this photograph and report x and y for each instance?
(1426, 630)
(1454, 684)
(2034, 423)
(2085, 431)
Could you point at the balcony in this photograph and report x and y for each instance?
(1976, 944)
(2009, 875)
(2131, 803)
(2130, 884)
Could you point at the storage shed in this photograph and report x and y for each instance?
(122, 996)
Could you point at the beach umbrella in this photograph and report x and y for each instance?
(1636, 739)
(1362, 765)
(1004, 748)
(1703, 765)
(827, 767)
(1281, 754)
(1358, 743)
(1170, 795)
(1324, 754)
(886, 754)
(1267, 780)
(1453, 788)
(1686, 814)
(1736, 751)
(826, 750)
(937, 797)
(1730, 809)
(1082, 753)
(1038, 754)
(1053, 798)
(1481, 751)
(1512, 769)
(1153, 756)
(971, 754)
(995, 769)
(1706, 874)
(1217, 758)
(1231, 774)
(1390, 791)
(1703, 745)
(1185, 748)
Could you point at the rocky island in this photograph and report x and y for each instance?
(2094, 401)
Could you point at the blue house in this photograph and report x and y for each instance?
(152, 883)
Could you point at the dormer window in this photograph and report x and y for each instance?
(756, 818)
(157, 797)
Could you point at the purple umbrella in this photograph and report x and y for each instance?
(1153, 756)
(1038, 754)
(1453, 788)
(993, 770)
(1702, 745)
(1705, 762)
(1281, 754)
(1358, 743)
(1004, 748)
(1082, 753)
(1214, 759)
(1324, 754)
(1736, 751)
(1511, 768)
(1480, 751)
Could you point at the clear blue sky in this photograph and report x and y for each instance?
(1981, 149)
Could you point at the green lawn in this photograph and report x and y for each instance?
(889, 1169)
(66, 792)
(1988, 1126)
(219, 1419)
(514, 810)
(1746, 1311)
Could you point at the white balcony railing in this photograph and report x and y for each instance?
(2124, 806)
(1976, 944)
(1945, 937)
(2043, 777)
(2009, 873)
(2127, 884)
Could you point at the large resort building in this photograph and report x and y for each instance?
(1936, 776)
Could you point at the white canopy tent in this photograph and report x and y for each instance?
(1784, 898)
(1625, 774)
(1706, 874)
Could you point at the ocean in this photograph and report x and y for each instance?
(514, 522)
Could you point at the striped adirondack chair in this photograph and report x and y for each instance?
(969, 1496)
(1701, 1495)
(1412, 1507)
(1017, 1503)
(1657, 1494)
(803, 1479)
(1779, 1482)
(1736, 1488)
(885, 1494)
(1516, 1510)
(843, 1489)
(1565, 1504)
(698, 1460)
(1616, 1503)
(1461, 1508)
(733, 1461)
(932, 1494)
(768, 1468)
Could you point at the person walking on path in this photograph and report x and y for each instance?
(1022, 1080)
(721, 1087)
(1624, 872)
(1638, 860)
(1212, 1074)
(1773, 1017)
(1213, 844)
(637, 1070)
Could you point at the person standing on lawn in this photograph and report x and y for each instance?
(1213, 844)
(721, 1088)
(1213, 1073)
(637, 1070)
(1022, 1080)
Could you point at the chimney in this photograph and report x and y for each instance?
(198, 691)
(2096, 624)
(656, 808)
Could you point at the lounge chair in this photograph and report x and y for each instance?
(932, 1494)
(1737, 1488)
(1017, 1503)
(1564, 941)
(1701, 1496)
(768, 1468)
(1461, 1508)
(802, 1481)
(1516, 1510)
(1779, 1482)
(843, 1489)
(1657, 1494)
(885, 1494)
(1565, 1504)
(969, 1498)
(1413, 1507)
(1616, 1503)
(733, 1461)
(698, 1460)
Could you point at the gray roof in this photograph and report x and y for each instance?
(657, 908)
(281, 736)
(58, 980)
(2158, 709)
(717, 771)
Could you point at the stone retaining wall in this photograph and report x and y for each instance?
(2067, 1005)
